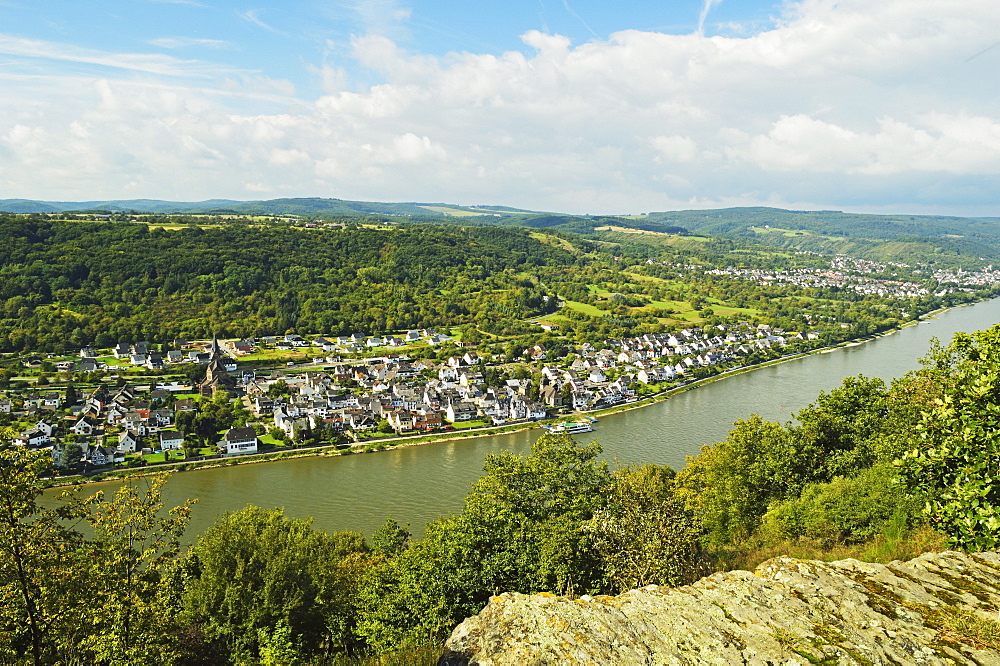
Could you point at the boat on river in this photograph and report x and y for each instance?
(571, 427)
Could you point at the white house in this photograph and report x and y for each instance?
(171, 440)
(84, 426)
(239, 441)
(128, 442)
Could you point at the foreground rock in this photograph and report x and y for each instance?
(935, 609)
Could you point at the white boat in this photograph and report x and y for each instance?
(571, 427)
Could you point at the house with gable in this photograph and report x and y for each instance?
(99, 456)
(460, 411)
(33, 437)
(128, 442)
(171, 440)
(85, 427)
(238, 441)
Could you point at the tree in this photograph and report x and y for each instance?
(134, 544)
(66, 597)
(72, 395)
(35, 545)
(520, 530)
(956, 461)
(204, 428)
(730, 485)
(840, 428)
(70, 454)
(257, 569)
(278, 388)
(644, 534)
(391, 538)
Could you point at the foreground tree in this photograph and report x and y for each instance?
(256, 570)
(520, 530)
(133, 547)
(730, 485)
(42, 579)
(67, 597)
(957, 461)
(645, 535)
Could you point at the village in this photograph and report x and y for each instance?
(330, 399)
(867, 278)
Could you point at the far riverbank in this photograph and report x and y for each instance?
(416, 439)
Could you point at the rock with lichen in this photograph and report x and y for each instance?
(935, 609)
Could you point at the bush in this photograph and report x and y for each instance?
(845, 510)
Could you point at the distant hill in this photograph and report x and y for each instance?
(903, 237)
(138, 205)
(829, 223)
(308, 207)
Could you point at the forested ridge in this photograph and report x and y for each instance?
(69, 283)
(66, 284)
(870, 470)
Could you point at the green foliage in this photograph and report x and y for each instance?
(645, 535)
(75, 283)
(837, 430)
(391, 538)
(731, 484)
(822, 474)
(520, 530)
(955, 463)
(66, 597)
(256, 569)
(846, 510)
(69, 455)
(133, 546)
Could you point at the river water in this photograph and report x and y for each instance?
(417, 484)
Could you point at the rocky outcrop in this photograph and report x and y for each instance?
(935, 609)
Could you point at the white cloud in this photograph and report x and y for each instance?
(138, 62)
(676, 148)
(252, 16)
(840, 104)
(382, 17)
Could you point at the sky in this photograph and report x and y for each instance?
(576, 106)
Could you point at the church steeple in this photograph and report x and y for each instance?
(216, 378)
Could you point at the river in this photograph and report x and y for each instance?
(417, 484)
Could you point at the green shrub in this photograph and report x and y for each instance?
(845, 510)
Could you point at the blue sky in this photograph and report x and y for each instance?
(576, 106)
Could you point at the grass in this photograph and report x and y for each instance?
(281, 355)
(893, 544)
(962, 626)
(420, 655)
(629, 230)
(723, 310)
(268, 439)
(553, 240)
(461, 425)
(453, 212)
(586, 309)
(677, 306)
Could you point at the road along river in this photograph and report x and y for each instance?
(416, 484)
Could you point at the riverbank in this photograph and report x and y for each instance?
(403, 441)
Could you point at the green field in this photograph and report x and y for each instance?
(586, 309)
(453, 212)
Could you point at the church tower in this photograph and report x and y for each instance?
(216, 377)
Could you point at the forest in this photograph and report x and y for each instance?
(870, 470)
(65, 284)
